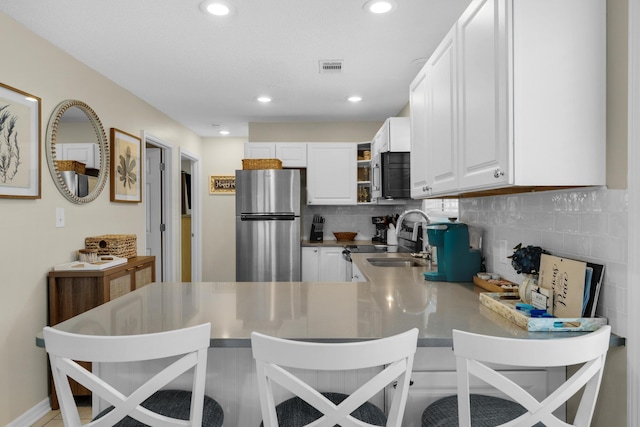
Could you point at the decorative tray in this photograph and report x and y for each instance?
(504, 304)
(495, 285)
(104, 262)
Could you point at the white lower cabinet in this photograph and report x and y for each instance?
(434, 377)
(325, 264)
(231, 380)
(356, 274)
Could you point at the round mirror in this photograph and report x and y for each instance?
(77, 151)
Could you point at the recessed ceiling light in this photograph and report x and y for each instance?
(380, 6)
(216, 7)
(224, 132)
(354, 98)
(264, 99)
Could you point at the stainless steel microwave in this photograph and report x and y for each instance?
(395, 175)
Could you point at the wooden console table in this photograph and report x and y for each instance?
(72, 292)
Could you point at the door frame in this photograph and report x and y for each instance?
(633, 185)
(196, 217)
(168, 204)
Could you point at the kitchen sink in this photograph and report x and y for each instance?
(394, 262)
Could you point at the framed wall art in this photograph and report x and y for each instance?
(20, 141)
(126, 167)
(222, 184)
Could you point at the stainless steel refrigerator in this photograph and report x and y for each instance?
(268, 225)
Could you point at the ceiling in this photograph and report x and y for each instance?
(206, 72)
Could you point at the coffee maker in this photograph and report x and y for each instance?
(457, 262)
(381, 229)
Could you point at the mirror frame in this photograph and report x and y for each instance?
(52, 140)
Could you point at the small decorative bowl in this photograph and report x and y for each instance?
(345, 236)
(484, 276)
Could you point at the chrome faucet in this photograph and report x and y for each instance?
(410, 211)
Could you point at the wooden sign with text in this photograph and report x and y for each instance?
(566, 278)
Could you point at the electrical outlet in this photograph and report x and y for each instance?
(502, 252)
(59, 217)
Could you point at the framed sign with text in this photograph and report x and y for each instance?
(222, 184)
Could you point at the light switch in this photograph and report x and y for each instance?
(59, 217)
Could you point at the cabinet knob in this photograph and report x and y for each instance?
(498, 173)
(426, 188)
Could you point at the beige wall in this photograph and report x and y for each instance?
(313, 131)
(30, 244)
(220, 156)
(617, 88)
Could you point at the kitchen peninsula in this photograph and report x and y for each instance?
(393, 300)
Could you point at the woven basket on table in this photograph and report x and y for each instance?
(120, 245)
(248, 164)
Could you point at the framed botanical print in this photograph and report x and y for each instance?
(126, 167)
(20, 141)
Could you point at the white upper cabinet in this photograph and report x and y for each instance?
(260, 150)
(528, 105)
(434, 142)
(292, 154)
(394, 135)
(332, 173)
(420, 188)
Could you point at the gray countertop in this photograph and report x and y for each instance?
(393, 300)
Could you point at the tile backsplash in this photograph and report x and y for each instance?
(587, 224)
(358, 218)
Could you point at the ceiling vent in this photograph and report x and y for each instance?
(332, 67)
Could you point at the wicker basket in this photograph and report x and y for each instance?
(71, 165)
(261, 164)
(120, 245)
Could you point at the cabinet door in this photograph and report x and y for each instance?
(427, 387)
(120, 283)
(333, 266)
(332, 174)
(260, 150)
(376, 178)
(86, 153)
(399, 134)
(441, 156)
(483, 95)
(292, 154)
(420, 186)
(144, 274)
(310, 264)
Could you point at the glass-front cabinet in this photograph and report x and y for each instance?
(364, 172)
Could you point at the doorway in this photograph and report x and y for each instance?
(191, 235)
(159, 228)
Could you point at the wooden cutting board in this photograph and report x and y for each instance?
(566, 278)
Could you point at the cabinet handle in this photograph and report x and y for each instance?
(130, 269)
(498, 173)
(140, 266)
(426, 188)
(395, 384)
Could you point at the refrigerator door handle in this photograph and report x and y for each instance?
(268, 217)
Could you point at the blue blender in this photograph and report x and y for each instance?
(457, 262)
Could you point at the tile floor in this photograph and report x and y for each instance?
(54, 418)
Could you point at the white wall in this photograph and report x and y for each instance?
(30, 245)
